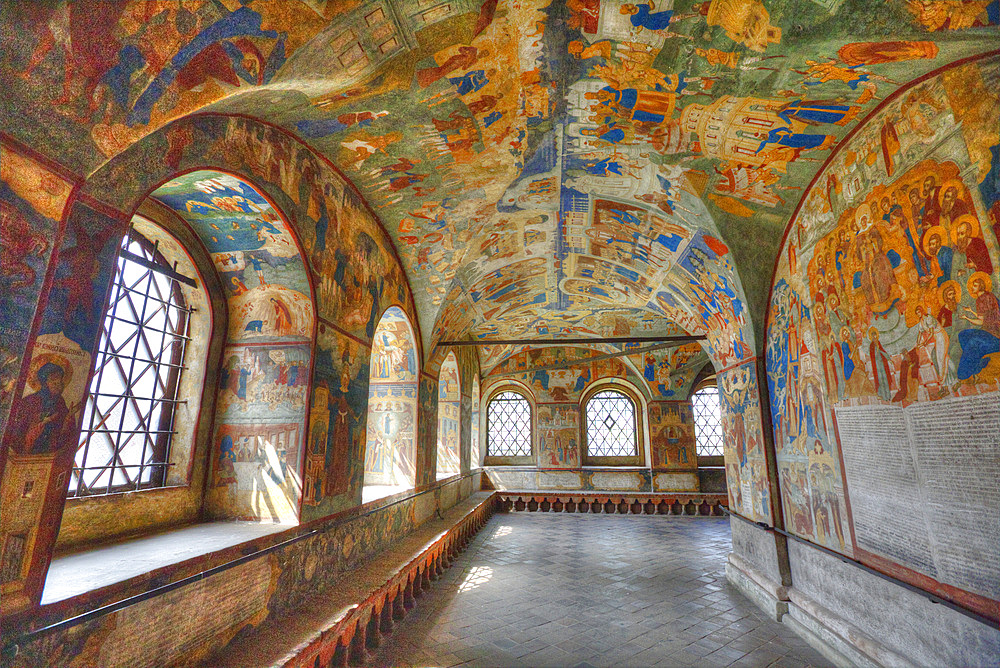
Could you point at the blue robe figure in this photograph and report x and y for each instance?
(242, 391)
(613, 136)
(646, 18)
(469, 82)
(815, 113)
(845, 348)
(243, 22)
(944, 257)
(605, 167)
(977, 346)
(785, 137)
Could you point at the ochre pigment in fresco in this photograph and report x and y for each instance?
(886, 297)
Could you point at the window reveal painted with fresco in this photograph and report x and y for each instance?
(390, 453)
(449, 407)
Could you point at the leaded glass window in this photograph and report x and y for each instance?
(707, 422)
(128, 414)
(611, 428)
(508, 426)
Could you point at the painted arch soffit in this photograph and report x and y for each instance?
(570, 167)
(253, 251)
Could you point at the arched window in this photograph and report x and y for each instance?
(391, 449)
(508, 426)
(476, 455)
(128, 418)
(449, 423)
(611, 425)
(707, 421)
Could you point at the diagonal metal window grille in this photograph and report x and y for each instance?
(611, 425)
(707, 422)
(508, 426)
(128, 417)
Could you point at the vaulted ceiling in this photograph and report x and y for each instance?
(545, 167)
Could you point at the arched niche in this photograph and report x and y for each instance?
(449, 422)
(391, 446)
(259, 437)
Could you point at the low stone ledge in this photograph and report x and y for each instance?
(337, 628)
(622, 503)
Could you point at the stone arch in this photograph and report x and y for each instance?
(475, 447)
(449, 424)
(391, 447)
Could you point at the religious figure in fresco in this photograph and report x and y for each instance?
(935, 15)
(43, 420)
(641, 106)
(641, 15)
(464, 59)
(979, 344)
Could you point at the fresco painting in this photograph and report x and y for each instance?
(44, 422)
(391, 450)
(258, 462)
(264, 377)
(253, 251)
(558, 390)
(337, 423)
(743, 442)
(559, 436)
(671, 435)
(32, 200)
(449, 414)
(264, 380)
(546, 132)
(886, 292)
(475, 449)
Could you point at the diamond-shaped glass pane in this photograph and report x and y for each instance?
(128, 413)
(707, 422)
(611, 425)
(508, 426)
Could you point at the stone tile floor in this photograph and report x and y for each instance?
(555, 589)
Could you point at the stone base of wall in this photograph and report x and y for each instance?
(864, 620)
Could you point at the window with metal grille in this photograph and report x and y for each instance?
(611, 428)
(508, 426)
(707, 422)
(128, 415)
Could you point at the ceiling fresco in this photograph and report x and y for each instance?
(257, 259)
(546, 167)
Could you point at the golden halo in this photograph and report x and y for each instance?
(984, 277)
(950, 284)
(43, 359)
(938, 231)
(973, 226)
(957, 184)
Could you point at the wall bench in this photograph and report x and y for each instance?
(340, 625)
